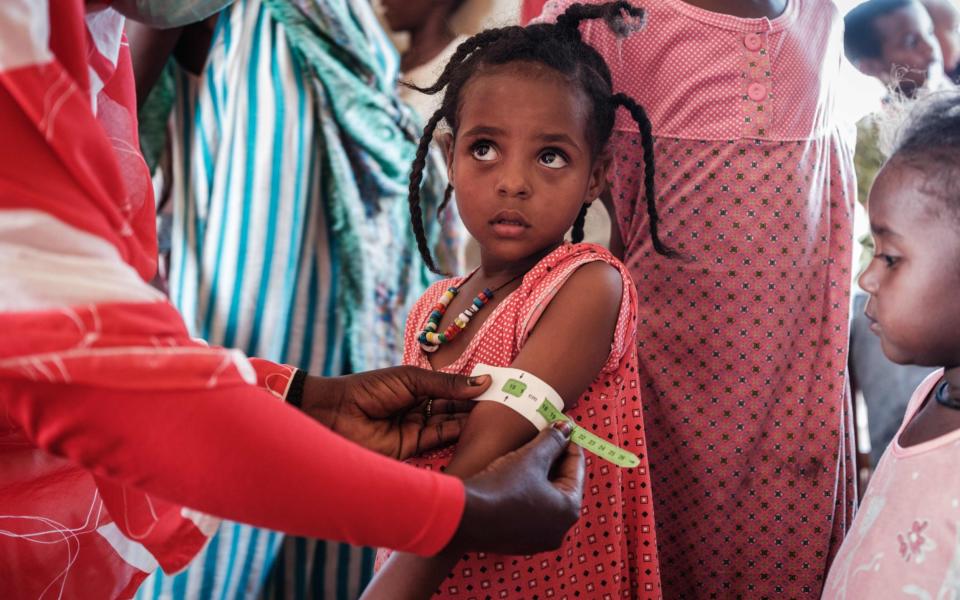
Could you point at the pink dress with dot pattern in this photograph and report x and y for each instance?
(743, 349)
(610, 553)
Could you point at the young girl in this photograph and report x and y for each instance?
(905, 540)
(530, 112)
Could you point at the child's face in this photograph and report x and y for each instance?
(521, 163)
(909, 48)
(914, 278)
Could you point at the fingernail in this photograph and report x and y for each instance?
(564, 427)
(478, 380)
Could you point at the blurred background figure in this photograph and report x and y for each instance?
(946, 27)
(431, 41)
(288, 153)
(894, 42)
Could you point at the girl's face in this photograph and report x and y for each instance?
(914, 278)
(520, 162)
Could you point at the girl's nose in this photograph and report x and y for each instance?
(513, 182)
(868, 279)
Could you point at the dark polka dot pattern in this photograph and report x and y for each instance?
(742, 346)
(611, 552)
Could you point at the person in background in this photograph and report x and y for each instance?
(431, 42)
(946, 27)
(290, 152)
(893, 41)
(742, 343)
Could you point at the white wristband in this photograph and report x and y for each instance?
(521, 391)
(540, 404)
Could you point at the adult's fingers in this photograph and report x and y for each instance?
(568, 476)
(439, 431)
(549, 444)
(432, 384)
(515, 507)
(447, 407)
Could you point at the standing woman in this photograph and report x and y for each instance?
(289, 164)
(742, 342)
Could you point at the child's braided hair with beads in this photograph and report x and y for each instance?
(560, 47)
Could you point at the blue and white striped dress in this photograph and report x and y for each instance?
(291, 238)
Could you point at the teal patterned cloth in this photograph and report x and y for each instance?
(291, 237)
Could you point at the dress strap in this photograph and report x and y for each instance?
(553, 272)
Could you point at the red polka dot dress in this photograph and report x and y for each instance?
(610, 553)
(742, 348)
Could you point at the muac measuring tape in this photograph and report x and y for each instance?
(535, 400)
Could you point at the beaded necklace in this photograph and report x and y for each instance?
(430, 340)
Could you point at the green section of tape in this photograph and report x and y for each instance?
(514, 387)
(587, 440)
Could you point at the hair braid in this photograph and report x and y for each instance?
(649, 169)
(576, 235)
(447, 195)
(612, 13)
(416, 178)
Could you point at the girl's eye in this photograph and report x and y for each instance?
(483, 151)
(553, 159)
(888, 261)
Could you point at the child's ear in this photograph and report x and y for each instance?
(598, 176)
(446, 144)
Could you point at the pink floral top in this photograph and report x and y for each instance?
(611, 551)
(905, 539)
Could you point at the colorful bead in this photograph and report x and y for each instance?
(430, 340)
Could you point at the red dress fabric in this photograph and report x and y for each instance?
(112, 419)
(611, 551)
(743, 347)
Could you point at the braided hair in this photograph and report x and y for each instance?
(560, 47)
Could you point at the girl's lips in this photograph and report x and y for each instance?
(509, 224)
(874, 325)
(508, 229)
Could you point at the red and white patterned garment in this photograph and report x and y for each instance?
(611, 551)
(905, 540)
(742, 349)
(112, 418)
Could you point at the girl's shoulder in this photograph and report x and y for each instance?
(587, 270)
(578, 253)
(562, 263)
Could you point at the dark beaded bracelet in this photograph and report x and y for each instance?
(295, 391)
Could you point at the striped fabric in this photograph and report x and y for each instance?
(291, 238)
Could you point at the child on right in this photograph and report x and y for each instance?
(892, 41)
(905, 539)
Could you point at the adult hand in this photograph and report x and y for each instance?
(525, 501)
(399, 411)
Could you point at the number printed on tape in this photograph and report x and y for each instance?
(588, 441)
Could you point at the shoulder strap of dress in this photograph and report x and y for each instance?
(553, 272)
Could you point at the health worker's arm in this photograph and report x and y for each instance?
(239, 453)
